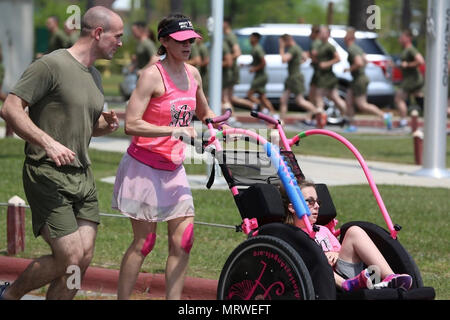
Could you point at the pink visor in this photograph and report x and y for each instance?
(184, 35)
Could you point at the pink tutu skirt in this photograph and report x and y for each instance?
(144, 193)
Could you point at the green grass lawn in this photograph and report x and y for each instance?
(422, 212)
(111, 84)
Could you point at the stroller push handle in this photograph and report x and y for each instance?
(222, 118)
(393, 230)
(291, 186)
(264, 117)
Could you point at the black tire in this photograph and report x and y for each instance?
(265, 267)
(312, 255)
(395, 254)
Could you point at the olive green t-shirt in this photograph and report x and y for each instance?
(65, 100)
(204, 54)
(195, 52)
(258, 56)
(327, 78)
(410, 73)
(325, 53)
(226, 71)
(231, 39)
(57, 41)
(316, 43)
(353, 51)
(145, 50)
(294, 64)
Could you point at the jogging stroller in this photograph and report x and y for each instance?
(281, 261)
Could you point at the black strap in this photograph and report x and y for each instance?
(213, 170)
(211, 176)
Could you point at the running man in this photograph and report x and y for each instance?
(327, 81)
(412, 82)
(260, 79)
(357, 92)
(64, 95)
(293, 55)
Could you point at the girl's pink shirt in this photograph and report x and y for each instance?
(175, 108)
(326, 240)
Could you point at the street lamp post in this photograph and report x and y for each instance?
(435, 113)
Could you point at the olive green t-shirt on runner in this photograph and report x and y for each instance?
(294, 64)
(353, 51)
(65, 100)
(257, 56)
(315, 44)
(412, 78)
(327, 78)
(145, 50)
(231, 39)
(57, 40)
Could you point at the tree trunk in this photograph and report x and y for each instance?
(176, 6)
(406, 14)
(148, 10)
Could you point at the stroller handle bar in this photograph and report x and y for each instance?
(264, 117)
(222, 118)
(199, 144)
(393, 229)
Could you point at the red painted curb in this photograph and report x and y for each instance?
(105, 281)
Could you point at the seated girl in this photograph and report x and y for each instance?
(349, 258)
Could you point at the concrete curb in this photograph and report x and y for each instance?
(105, 281)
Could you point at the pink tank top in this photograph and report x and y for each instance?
(174, 108)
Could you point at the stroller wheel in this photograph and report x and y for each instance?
(265, 268)
(395, 254)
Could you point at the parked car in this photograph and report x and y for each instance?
(380, 90)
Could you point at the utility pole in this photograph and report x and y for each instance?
(176, 6)
(435, 128)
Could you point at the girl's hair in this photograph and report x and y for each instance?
(163, 23)
(289, 217)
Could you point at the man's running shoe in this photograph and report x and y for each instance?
(351, 128)
(388, 120)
